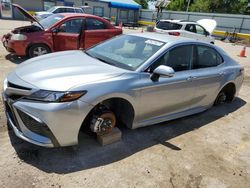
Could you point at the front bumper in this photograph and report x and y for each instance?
(15, 47)
(46, 124)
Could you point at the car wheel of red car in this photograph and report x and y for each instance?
(38, 50)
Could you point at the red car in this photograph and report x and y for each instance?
(66, 31)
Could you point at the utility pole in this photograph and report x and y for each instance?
(188, 5)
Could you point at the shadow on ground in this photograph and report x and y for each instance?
(90, 154)
(15, 59)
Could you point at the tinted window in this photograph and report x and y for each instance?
(200, 30)
(94, 24)
(178, 58)
(70, 10)
(190, 28)
(79, 10)
(168, 25)
(206, 57)
(71, 26)
(59, 10)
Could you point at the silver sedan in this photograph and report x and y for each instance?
(136, 80)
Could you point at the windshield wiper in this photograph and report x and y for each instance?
(100, 59)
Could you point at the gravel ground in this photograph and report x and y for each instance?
(210, 149)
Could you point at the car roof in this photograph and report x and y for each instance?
(179, 21)
(67, 7)
(163, 37)
(68, 15)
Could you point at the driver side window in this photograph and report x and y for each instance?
(178, 58)
(200, 30)
(71, 26)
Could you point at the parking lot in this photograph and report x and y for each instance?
(210, 149)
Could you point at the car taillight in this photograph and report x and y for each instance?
(174, 33)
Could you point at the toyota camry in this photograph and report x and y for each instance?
(134, 80)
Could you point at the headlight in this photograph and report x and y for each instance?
(18, 37)
(53, 96)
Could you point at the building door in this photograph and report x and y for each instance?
(124, 15)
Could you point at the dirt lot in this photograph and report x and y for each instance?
(210, 149)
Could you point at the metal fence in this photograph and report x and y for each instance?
(225, 22)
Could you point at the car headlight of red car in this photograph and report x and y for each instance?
(19, 37)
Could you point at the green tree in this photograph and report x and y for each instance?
(220, 6)
(143, 3)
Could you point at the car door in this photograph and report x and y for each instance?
(209, 74)
(201, 33)
(168, 96)
(96, 31)
(189, 31)
(68, 35)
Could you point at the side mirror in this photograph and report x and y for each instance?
(164, 71)
(207, 33)
(55, 30)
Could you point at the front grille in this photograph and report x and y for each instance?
(15, 97)
(37, 127)
(9, 84)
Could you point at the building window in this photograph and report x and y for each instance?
(98, 11)
(124, 14)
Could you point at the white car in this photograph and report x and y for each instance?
(55, 10)
(200, 30)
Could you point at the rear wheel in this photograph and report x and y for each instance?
(227, 94)
(38, 50)
(221, 98)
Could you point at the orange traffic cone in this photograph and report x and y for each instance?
(243, 52)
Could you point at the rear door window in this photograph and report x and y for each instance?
(70, 10)
(190, 28)
(94, 24)
(165, 25)
(206, 57)
(78, 10)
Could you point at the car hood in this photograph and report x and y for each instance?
(208, 24)
(65, 70)
(26, 14)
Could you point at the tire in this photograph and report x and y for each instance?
(221, 98)
(38, 50)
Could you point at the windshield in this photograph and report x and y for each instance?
(51, 9)
(126, 51)
(51, 20)
(168, 25)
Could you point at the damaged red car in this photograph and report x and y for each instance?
(59, 32)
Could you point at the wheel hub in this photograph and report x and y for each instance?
(103, 124)
(39, 51)
(221, 98)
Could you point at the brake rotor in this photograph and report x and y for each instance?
(104, 123)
